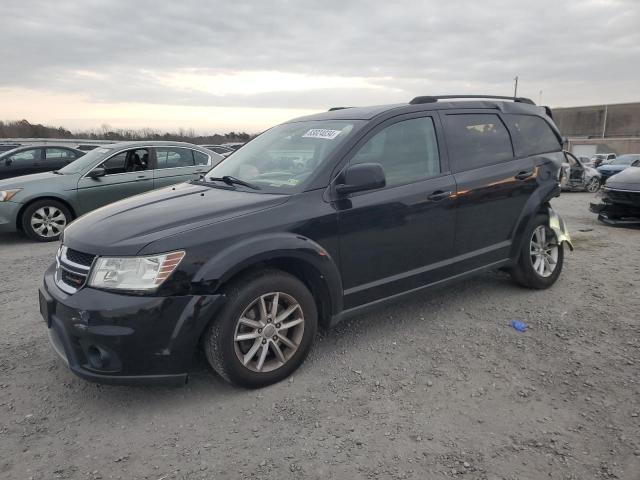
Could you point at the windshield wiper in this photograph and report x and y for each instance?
(229, 180)
(57, 172)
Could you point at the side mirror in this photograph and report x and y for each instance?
(361, 177)
(97, 172)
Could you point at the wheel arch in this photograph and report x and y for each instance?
(37, 199)
(294, 254)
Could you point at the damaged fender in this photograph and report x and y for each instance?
(556, 223)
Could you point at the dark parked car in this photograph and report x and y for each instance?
(8, 146)
(620, 198)
(41, 205)
(35, 159)
(220, 150)
(617, 165)
(313, 221)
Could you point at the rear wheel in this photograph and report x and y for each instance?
(45, 220)
(265, 330)
(541, 258)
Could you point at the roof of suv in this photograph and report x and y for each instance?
(504, 104)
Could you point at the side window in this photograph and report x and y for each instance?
(407, 151)
(26, 155)
(170, 157)
(200, 158)
(477, 140)
(59, 153)
(128, 161)
(533, 135)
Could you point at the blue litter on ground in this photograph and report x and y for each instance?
(521, 327)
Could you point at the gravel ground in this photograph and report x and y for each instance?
(436, 387)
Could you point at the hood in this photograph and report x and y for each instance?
(125, 227)
(628, 179)
(25, 181)
(612, 168)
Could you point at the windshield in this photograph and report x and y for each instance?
(284, 157)
(86, 161)
(626, 159)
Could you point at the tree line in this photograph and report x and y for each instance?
(25, 129)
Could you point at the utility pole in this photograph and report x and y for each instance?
(604, 122)
(540, 98)
(515, 89)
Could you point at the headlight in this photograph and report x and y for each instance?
(6, 195)
(134, 273)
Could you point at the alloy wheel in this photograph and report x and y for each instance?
(544, 251)
(48, 221)
(269, 332)
(593, 185)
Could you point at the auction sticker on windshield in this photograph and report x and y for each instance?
(322, 133)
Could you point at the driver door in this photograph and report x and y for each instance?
(127, 173)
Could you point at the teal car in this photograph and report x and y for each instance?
(43, 204)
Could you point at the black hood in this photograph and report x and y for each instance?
(125, 227)
(628, 179)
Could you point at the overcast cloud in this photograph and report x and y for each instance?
(233, 54)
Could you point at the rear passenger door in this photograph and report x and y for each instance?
(178, 164)
(493, 185)
(55, 158)
(399, 237)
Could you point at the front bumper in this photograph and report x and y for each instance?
(124, 339)
(618, 207)
(9, 216)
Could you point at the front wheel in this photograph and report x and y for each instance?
(45, 220)
(593, 185)
(541, 257)
(265, 330)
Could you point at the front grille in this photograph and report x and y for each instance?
(73, 269)
(630, 198)
(80, 258)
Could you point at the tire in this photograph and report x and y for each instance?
(224, 353)
(525, 272)
(593, 185)
(55, 215)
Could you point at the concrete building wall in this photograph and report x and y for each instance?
(617, 120)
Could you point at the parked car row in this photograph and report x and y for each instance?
(315, 220)
(41, 205)
(619, 202)
(36, 158)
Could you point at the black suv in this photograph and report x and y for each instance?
(314, 220)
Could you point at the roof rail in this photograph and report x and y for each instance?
(333, 109)
(434, 99)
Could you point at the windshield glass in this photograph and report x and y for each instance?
(626, 159)
(284, 157)
(85, 161)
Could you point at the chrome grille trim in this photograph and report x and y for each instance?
(64, 264)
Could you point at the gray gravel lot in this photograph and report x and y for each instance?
(438, 386)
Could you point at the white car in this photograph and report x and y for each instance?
(575, 175)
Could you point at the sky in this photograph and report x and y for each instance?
(218, 66)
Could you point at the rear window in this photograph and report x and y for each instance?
(477, 140)
(532, 135)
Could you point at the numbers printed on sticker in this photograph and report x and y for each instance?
(322, 133)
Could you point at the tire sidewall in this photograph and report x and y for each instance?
(594, 180)
(532, 278)
(31, 209)
(246, 294)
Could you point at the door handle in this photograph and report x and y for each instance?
(439, 195)
(523, 175)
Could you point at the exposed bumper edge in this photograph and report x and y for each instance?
(560, 228)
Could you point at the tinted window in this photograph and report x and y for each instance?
(174, 157)
(407, 151)
(477, 140)
(59, 153)
(200, 158)
(532, 135)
